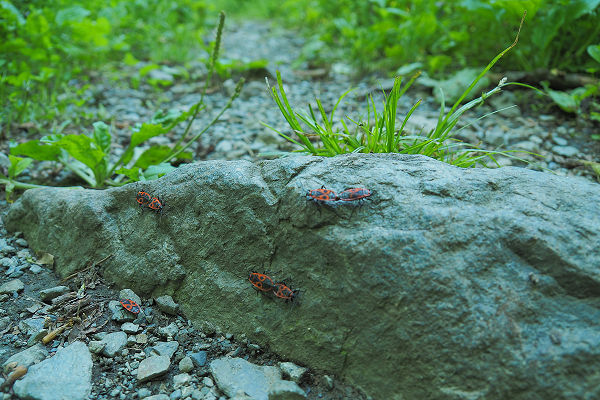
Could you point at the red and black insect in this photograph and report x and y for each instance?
(262, 282)
(130, 306)
(156, 205)
(283, 291)
(143, 198)
(355, 194)
(321, 195)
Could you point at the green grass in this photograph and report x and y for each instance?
(380, 134)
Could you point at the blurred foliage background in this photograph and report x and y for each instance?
(47, 49)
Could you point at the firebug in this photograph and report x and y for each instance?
(262, 282)
(156, 205)
(130, 306)
(283, 291)
(143, 198)
(355, 194)
(321, 195)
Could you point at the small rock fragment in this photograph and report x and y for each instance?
(152, 367)
(114, 343)
(291, 370)
(186, 364)
(48, 294)
(167, 305)
(286, 390)
(16, 285)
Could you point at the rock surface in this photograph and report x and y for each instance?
(446, 281)
(66, 375)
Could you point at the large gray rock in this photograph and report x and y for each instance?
(447, 283)
(67, 375)
(233, 375)
(27, 357)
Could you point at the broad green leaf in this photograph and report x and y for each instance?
(132, 173)
(156, 171)
(50, 139)
(564, 100)
(83, 149)
(152, 156)
(102, 136)
(594, 52)
(18, 165)
(144, 133)
(71, 14)
(37, 150)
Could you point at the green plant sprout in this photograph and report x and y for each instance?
(89, 156)
(379, 133)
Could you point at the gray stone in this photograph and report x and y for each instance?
(169, 330)
(96, 346)
(181, 380)
(236, 374)
(66, 375)
(286, 390)
(165, 348)
(292, 371)
(186, 364)
(129, 328)
(199, 358)
(51, 293)
(144, 392)
(157, 397)
(35, 269)
(435, 263)
(167, 305)
(114, 343)
(152, 367)
(9, 262)
(566, 151)
(31, 325)
(4, 322)
(131, 295)
(28, 356)
(12, 286)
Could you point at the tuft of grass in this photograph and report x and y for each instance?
(379, 133)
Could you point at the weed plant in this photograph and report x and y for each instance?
(379, 133)
(90, 158)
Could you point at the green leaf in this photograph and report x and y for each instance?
(152, 156)
(144, 133)
(594, 52)
(37, 150)
(71, 14)
(132, 173)
(564, 100)
(83, 149)
(102, 136)
(17, 165)
(156, 171)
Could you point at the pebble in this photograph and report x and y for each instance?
(114, 343)
(48, 294)
(181, 380)
(165, 348)
(566, 151)
(169, 330)
(13, 286)
(153, 367)
(186, 364)
(167, 305)
(22, 242)
(130, 328)
(293, 371)
(199, 358)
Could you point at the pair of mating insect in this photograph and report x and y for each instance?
(327, 195)
(154, 203)
(265, 284)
